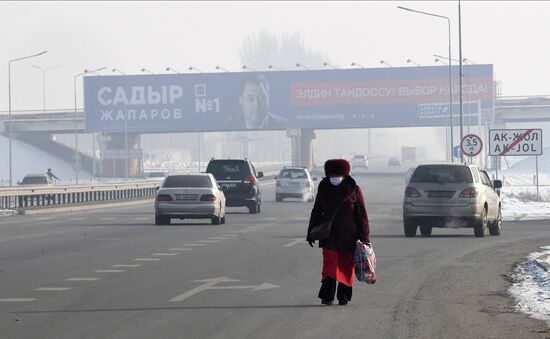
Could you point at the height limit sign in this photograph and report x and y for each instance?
(510, 142)
(471, 145)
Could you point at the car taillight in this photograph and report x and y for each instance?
(411, 192)
(278, 183)
(250, 179)
(164, 197)
(469, 192)
(208, 197)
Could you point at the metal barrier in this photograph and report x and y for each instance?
(37, 197)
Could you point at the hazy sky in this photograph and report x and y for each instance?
(512, 35)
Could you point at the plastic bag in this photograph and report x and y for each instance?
(365, 262)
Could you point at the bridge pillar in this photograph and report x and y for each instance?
(302, 154)
(120, 158)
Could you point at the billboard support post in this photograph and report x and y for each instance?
(537, 173)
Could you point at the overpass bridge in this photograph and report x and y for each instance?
(38, 128)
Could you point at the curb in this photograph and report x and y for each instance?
(77, 208)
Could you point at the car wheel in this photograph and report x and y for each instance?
(259, 208)
(480, 226)
(223, 219)
(253, 209)
(216, 220)
(496, 226)
(162, 220)
(278, 198)
(409, 228)
(426, 230)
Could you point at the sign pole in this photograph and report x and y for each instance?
(537, 172)
(496, 166)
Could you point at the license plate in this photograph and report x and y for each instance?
(226, 186)
(440, 194)
(186, 196)
(293, 183)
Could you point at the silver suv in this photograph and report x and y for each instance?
(451, 195)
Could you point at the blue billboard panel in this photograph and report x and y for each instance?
(276, 100)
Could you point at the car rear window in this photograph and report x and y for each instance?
(191, 181)
(442, 174)
(293, 174)
(228, 169)
(34, 180)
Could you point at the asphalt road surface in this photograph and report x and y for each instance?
(112, 273)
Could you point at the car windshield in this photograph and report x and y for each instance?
(359, 157)
(442, 174)
(189, 181)
(34, 180)
(293, 174)
(228, 170)
(157, 175)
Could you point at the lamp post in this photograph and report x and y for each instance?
(357, 64)
(145, 70)
(9, 106)
(410, 61)
(191, 68)
(116, 70)
(223, 69)
(248, 67)
(385, 63)
(326, 64)
(170, 69)
(450, 69)
(301, 65)
(44, 70)
(274, 67)
(76, 154)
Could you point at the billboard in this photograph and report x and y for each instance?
(277, 100)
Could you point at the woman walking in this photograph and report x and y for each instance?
(339, 197)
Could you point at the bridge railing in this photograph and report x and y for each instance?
(21, 198)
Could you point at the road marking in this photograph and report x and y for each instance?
(44, 218)
(300, 218)
(209, 241)
(51, 289)
(123, 265)
(107, 218)
(297, 241)
(77, 218)
(16, 300)
(268, 184)
(229, 235)
(269, 218)
(209, 284)
(194, 245)
(165, 254)
(218, 238)
(147, 259)
(82, 279)
(109, 271)
(180, 249)
(142, 218)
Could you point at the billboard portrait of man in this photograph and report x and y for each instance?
(255, 110)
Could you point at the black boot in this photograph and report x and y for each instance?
(327, 291)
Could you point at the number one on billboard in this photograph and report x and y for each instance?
(471, 145)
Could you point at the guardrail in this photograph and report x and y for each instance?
(26, 197)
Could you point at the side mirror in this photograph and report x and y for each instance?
(497, 183)
(275, 177)
(315, 179)
(260, 175)
(157, 188)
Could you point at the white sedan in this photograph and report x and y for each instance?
(196, 196)
(294, 182)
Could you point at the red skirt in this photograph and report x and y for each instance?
(338, 266)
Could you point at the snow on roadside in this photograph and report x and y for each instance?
(532, 287)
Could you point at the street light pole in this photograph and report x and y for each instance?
(460, 78)
(44, 70)
(76, 154)
(450, 69)
(9, 107)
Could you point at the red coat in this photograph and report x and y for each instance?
(350, 224)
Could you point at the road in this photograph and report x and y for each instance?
(112, 273)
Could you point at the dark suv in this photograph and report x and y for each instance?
(239, 182)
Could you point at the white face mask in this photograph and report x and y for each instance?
(336, 181)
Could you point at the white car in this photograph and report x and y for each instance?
(156, 176)
(294, 182)
(360, 161)
(37, 179)
(196, 196)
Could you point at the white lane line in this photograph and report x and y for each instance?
(165, 254)
(82, 279)
(180, 249)
(147, 259)
(107, 218)
(297, 241)
(44, 218)
(209, 241)
(142, 219)
(229, 235)
(52, 289)
(193, 245)
(16, 300)
(109, 271)
(76, 219)
(269, 218)
(218, 238)
(300, 218)
(125, 265)
(268, 184)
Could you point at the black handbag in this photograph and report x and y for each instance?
(322, 231)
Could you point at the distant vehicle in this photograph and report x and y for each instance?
(239, 182)
(408, 153)
(196, 196)
(37, 179)
(359, 161)
(156, 176)
(393, 161)
(294, 182)
(451, 195)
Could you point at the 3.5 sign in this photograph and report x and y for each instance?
(471, 145)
